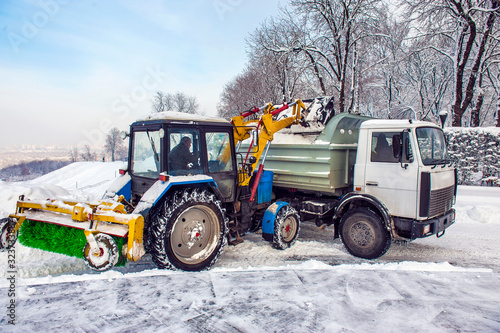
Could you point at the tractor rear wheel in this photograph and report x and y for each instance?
(188, 232)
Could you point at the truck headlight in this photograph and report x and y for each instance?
(426, 229)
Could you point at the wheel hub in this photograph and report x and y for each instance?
(193, 232)
(362, 234)
(193, 235)
(289, 229)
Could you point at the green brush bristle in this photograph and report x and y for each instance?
(58, 239)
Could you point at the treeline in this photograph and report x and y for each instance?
(30, 170)
(409, 59)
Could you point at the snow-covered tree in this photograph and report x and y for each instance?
(476, 153)
(115, 145)
(463, 31)
(178, 102)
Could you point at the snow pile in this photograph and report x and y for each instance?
(478, 204)
(82, 181)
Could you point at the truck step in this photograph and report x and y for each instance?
(318, 207)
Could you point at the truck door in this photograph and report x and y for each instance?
(392, 182)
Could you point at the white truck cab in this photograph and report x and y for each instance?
(404, 164)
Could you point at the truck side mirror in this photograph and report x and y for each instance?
(397, 148)
(408, 154)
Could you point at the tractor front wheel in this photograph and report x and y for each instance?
(286, 228)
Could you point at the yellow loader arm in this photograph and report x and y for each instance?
(266, 127)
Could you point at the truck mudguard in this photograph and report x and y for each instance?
(121, 186)
(160, 189)
(367, 201)
(270, 217)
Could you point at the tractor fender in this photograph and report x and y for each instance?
(161, 188)
(121, 186)
(270, 217)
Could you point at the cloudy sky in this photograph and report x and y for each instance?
(70, 70)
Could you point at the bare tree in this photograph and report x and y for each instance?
(430, 56)
(178, 102)
(88, 154)
(114, 145)
(314, 46)
(73, 153)
(467, 25)
(255, 86)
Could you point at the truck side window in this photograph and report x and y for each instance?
(219, 152)
(382, 147)
(184, 154)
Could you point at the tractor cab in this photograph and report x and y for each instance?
(180, 145)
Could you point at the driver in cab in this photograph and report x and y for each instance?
(181, 158)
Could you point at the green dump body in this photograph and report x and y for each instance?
(326, 166)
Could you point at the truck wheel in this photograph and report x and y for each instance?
(363, 234)
(106, 258)
(286, 228)
(7, 239)
(189, 231)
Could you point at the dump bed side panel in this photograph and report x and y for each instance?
(323, 168)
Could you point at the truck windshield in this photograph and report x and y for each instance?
(145, 155)
(432, 146)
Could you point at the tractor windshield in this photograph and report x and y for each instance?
(432, 146)
(145, 154)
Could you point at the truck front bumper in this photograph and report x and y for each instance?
(420, 229)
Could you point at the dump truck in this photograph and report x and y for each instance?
(184, 209)
(375, 180)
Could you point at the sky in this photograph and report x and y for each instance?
(72, 70)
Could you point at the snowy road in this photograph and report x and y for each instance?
(410, 298)
(448, 284)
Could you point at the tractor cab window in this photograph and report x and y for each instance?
(184, 155)
(219, 152)
(146, 154)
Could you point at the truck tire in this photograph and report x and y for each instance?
(189, 231)
(7, 239)
(363, 234)
(286, 228)
(108, 256)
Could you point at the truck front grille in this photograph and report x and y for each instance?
(441, 201)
